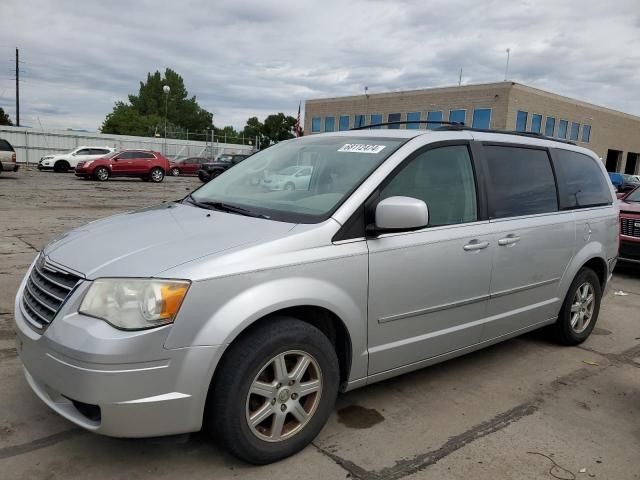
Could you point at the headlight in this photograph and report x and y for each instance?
(87, 163)
(134, 304)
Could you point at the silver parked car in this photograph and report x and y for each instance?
(405, 248)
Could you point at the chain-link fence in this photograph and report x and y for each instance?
(31, 144)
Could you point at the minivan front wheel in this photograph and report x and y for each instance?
(274, 390)
(580, 309)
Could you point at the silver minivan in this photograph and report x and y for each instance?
(404, 248)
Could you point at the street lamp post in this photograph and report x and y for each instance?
(166, 91)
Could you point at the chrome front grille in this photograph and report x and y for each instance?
(45, 291)
(630, 227)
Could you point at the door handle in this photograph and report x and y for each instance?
(509, 240)
(475, 245)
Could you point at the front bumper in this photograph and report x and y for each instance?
(629, 250)
(81, 365)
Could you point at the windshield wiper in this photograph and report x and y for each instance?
(224, 207)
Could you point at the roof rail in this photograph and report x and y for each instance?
(504, 132)
(406, 122)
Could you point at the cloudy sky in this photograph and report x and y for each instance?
(254, 57)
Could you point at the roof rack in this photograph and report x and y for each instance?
(406, 122)
(504, 132)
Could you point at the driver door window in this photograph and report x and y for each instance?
(443, 178)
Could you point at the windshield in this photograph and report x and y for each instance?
(338, 165)
(633, 196)
(224, 158)
(630, 178)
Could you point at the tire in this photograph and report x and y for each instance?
(156, 175)
(203, 176)
(175, 172)
(574, 327)
(215, 173)
(289, 187)
(101, 174)
(252, 358)
(61, 166)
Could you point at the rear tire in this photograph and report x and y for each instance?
(580, 309)
(289, 187)
(101, 174)
(203, 176)
(175, 172)
(156, 175)
(61, 166)
(281, 359)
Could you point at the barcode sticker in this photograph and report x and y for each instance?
(361, 148)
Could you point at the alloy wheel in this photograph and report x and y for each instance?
(284, 396)
(582, 307)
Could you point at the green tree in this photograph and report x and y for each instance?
(276, 127)
(145, 112)
(4, 118)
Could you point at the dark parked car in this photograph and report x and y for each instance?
(187, 166)
(146, 164)
(623, 182)
(224, 162)
(630, 227)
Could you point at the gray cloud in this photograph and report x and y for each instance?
(250, 57)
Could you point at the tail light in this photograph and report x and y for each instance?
(13, 157)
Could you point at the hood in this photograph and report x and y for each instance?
(629, 207)
(146, 242)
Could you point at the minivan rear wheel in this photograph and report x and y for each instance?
(274, 390)
(580, 309)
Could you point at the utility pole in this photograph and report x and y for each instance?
(506, 69)
(460, 77)
(17, 88)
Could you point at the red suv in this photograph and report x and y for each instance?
(146, 164)
(630, 227)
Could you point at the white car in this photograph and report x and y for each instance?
(66, 161)
(291, 178)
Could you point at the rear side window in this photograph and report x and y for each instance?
(5, 146)
(145, 155)
(443, 178)
(521, 181)
(580, 180)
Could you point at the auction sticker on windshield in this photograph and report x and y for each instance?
(361, 148)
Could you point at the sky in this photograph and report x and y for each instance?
(248, 58)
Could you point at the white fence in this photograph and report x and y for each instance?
(31, 144)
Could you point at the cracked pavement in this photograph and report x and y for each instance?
(487, 415)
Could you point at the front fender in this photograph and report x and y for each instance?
(218, 310)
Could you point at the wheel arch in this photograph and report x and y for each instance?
(591, 255)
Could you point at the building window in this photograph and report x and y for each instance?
(359, 121)
(536, 123)
(575, 130)
(586, 133)
(435, 116)
(413, 117)
(550, 126)
(376, 118)
(481, 118)
(521, 121)
(562, 129)
(329, 124)
(458, 116)
(344, 122)
(315, 125)
(394, 117)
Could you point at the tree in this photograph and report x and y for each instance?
(144, 114)
(276, 127)
(4, 118)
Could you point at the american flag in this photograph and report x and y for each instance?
(298, 126)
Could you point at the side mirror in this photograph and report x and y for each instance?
(401, 213)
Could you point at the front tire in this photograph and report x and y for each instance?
(274, 390)
(156, 175)
(101, 174)
(61, 166)
(289, 187)
(579, 312)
